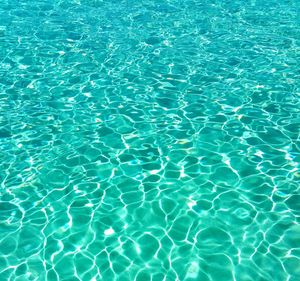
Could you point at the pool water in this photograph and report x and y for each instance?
(149, 140)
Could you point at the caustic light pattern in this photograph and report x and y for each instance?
(149, 140)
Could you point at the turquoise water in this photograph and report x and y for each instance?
(149, 140)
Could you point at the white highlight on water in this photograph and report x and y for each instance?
(109, 231)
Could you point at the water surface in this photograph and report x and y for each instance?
(149, 140)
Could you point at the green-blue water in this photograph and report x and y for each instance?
(149, 140)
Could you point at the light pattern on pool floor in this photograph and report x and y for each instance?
(149, 140)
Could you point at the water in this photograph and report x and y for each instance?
(149, 140)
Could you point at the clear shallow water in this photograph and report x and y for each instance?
(149, 139)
